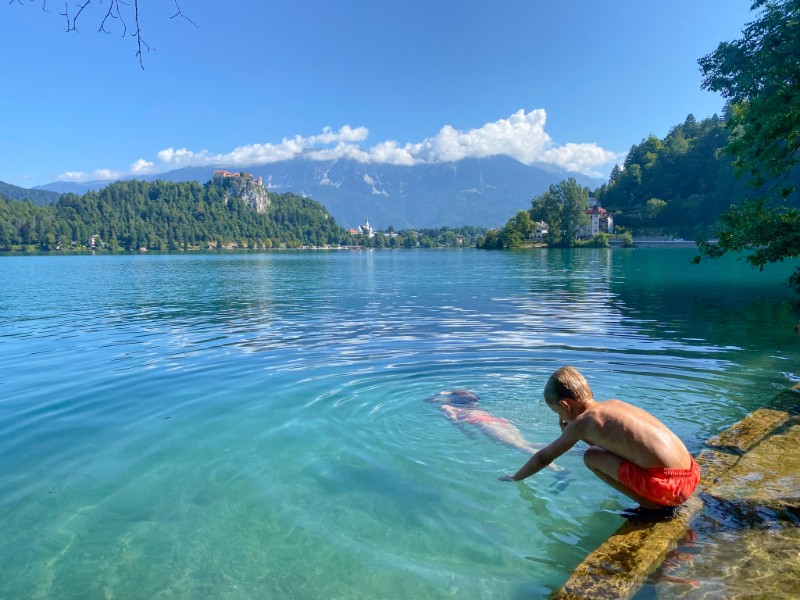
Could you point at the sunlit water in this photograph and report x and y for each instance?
(253, 425)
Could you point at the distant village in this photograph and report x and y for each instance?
(366, 230)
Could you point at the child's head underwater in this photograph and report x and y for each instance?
(455, 397)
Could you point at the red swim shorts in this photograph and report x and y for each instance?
(478, 418)
(665, 487)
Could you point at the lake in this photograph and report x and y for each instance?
(253, 425)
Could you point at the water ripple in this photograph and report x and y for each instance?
(182, 425)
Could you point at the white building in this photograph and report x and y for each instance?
(365, 229)
(600, 221)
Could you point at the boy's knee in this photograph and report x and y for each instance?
(591, 457)
(601, 461)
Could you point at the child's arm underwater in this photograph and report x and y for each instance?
(544, 457)
(495, 428)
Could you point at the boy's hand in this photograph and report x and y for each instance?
(507, 478)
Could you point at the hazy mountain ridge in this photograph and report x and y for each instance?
(38, 196)
(482, 192)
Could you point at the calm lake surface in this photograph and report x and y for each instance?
(253, 425)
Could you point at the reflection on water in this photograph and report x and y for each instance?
(744, 542)
(732, 553)
(253, 425)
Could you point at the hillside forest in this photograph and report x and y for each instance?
(133, 215)
(676, 186)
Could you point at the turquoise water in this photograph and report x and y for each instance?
(253, 425)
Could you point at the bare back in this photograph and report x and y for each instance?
(632, 434)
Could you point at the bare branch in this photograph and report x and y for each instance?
(180, 14)
(139, 40)
(110, 15)
(78, 14)
(65, 14)
(118, 10)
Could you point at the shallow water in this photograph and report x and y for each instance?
(252, 425)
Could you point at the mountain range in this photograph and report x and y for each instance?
(481, 192)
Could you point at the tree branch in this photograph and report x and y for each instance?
(180, 14)
(78, 14)
(74, 10)
(139, 40)
(65, 14)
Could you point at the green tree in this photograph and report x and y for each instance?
(490, 241)
(563, 206)
(427, 242)
(654, 207)
(627, 239)
(522, 223)
(759, 75)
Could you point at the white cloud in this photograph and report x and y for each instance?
(142, 166)
(521, 136)
(583, 158)
(97, 174)
(258, 154)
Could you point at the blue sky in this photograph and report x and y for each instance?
(574, 83)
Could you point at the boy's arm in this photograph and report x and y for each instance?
(568, 438)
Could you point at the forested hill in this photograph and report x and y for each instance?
(681, 182)
(41, 197)
(166, 216)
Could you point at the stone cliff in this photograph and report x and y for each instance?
(244, 186)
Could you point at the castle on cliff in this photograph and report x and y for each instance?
(222, 174)
(246, 187)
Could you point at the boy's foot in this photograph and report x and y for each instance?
(640, 514)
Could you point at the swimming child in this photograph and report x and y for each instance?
(461, 407)
(629, 449)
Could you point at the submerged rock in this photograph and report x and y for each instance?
(768, 475)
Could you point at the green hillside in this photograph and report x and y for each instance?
(39, 197)
(130, 215)
(681, 183)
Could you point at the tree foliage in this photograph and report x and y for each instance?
(680, 183)
(563, 207)
(765, 235)
(759, 75)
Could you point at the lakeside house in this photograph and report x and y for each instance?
(600, 221)
(540, 229)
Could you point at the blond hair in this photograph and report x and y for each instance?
(567, 382)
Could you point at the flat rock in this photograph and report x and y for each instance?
(617, 569)
(768, 475)
(746, 433)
